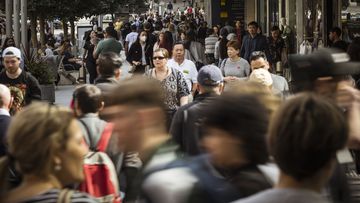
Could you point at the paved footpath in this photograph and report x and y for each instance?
(63, 94)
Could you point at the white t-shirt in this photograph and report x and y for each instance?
(188, 69)
(131, 38)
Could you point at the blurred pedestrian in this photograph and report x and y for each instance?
(306, 168)
(231, 169)
(184, 128)
(138, 114)
(46, 170)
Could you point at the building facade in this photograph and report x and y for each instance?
(309, 20)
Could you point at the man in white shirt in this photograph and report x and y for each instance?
(130, 38)
(185, 66)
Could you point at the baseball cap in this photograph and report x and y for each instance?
(12, 51)
(210, 75)
(261, 76)
(322, 63)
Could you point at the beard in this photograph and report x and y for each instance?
(12, 70)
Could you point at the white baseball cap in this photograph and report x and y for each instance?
(11, 52)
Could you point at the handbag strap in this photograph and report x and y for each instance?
(89, 134)
(65, 196)
(105, 137)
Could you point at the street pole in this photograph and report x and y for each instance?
(8, 10)
(17, 22)
(100, 21)
(24, 36)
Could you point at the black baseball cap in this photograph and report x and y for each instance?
(322, 63)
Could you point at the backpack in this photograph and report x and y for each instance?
(100, 175)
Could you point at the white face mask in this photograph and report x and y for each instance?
(143, 38)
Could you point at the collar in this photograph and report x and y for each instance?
(207, 95)
(4, 112)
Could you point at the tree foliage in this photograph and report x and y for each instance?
(74, 8)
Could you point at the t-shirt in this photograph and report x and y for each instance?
(280, 83)
(187, 68)
(109, 45)
(342, 45)
(239, 68)
(131, 38)
(90, 49)
(278, 195)
(24, 89)
(51, 196)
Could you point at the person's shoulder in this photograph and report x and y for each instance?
(190, 63)
(278, 77)
(29, 76)
(265, 196)
(242, 60)
(181, 109)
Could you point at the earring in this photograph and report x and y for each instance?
(57, 167)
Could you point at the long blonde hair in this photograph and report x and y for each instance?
(34, 136)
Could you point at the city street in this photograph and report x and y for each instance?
(63, 94)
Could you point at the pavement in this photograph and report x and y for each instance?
(63, 94)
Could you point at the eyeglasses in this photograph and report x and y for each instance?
(158, 57)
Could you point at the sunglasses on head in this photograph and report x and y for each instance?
(158, 57)
(258, 53)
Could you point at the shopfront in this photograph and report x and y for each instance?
(350, 20)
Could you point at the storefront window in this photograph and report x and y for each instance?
(262, 14)
(313, 19)
(350, 18)
(274, 13)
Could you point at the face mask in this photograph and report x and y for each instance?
(143, 38)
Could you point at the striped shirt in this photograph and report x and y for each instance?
(51, 196)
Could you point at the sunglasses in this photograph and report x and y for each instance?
(158, 57)
(259, 53)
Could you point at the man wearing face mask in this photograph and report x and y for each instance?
(140, 54)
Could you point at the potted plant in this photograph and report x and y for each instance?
(39, 68)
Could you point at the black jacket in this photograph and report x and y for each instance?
(258, 43)
(135, 53)
(4, 124)
(185, 124)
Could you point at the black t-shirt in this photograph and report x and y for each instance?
(24, 89)
(342, 45)
(90, 48)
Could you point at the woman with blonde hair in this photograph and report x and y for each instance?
(45, 144)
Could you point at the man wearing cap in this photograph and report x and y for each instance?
(23, 86)
(184, 128)
(279, 83)
(185, 66)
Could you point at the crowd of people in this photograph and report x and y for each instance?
(203, 117)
